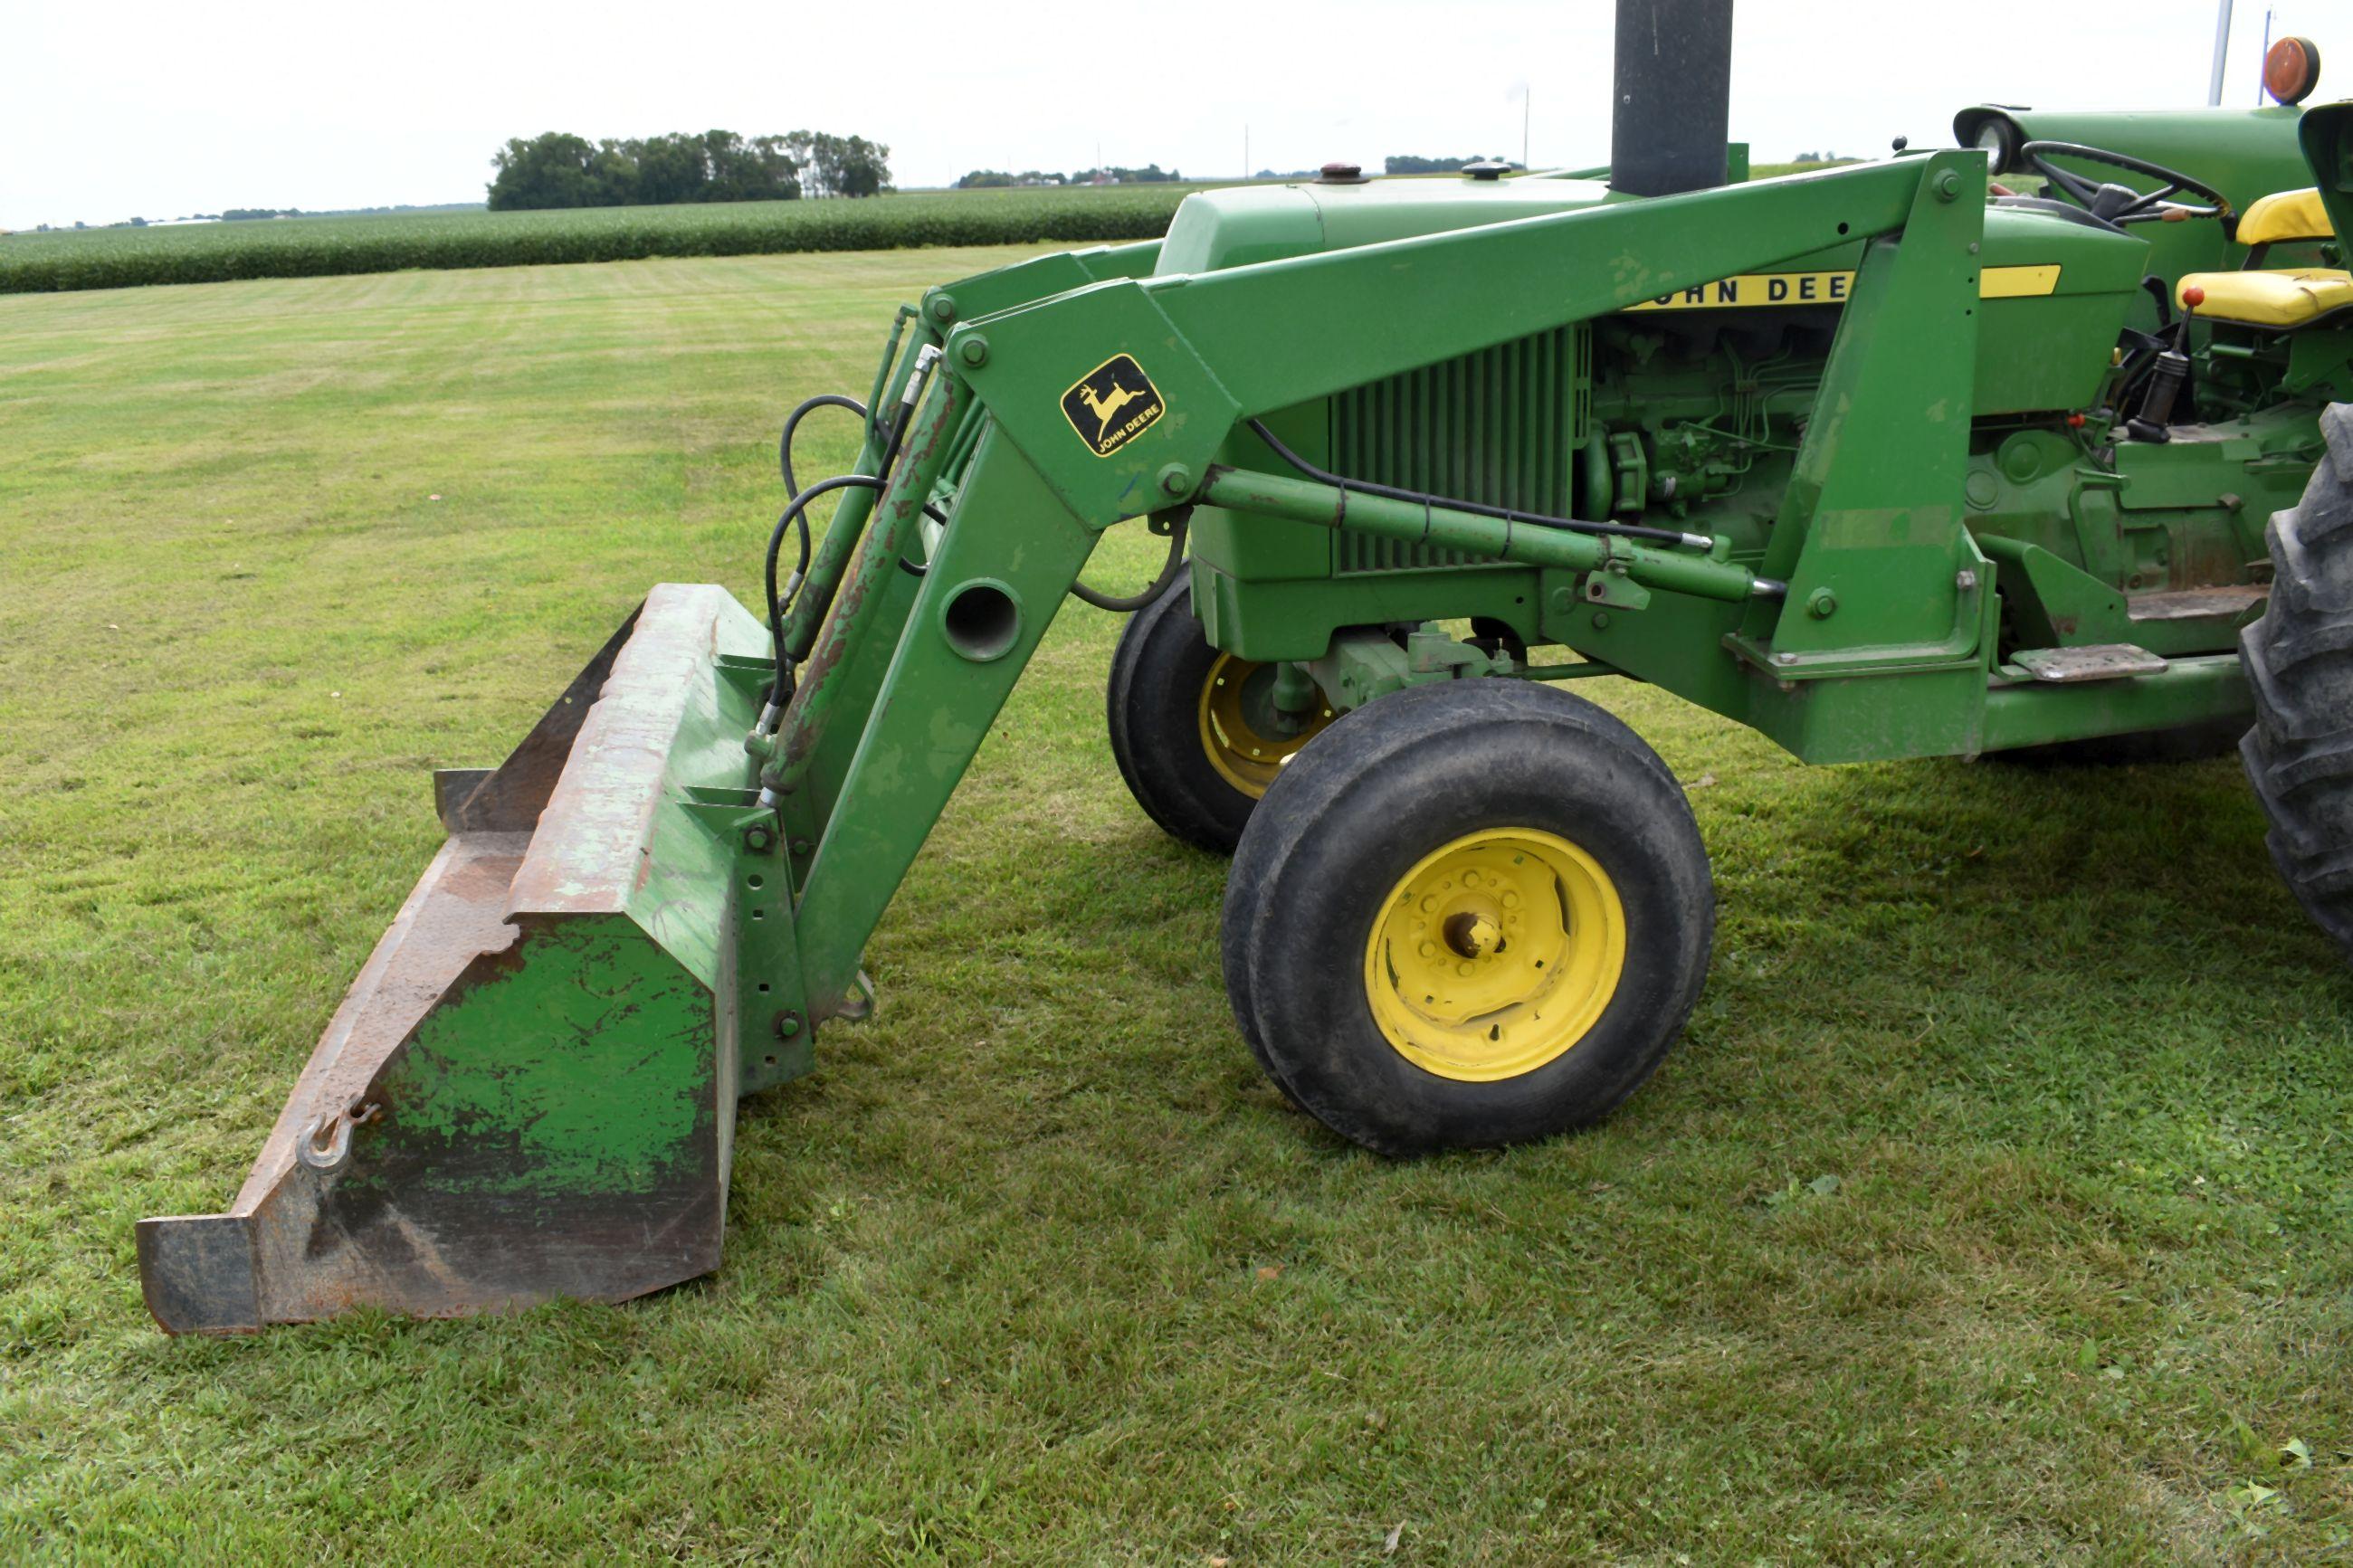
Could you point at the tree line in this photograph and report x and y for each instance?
(560, 170)
(990, 179)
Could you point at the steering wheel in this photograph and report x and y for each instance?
(2122, 204)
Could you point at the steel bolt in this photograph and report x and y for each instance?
(759, 838)
(1785, 658)
(1176, 480)
(974, 352)
(1821, 604)
(1949, 186)
(1601, 620)
(942, 308)
(802, 847)
(1965, 580)
(788, 1026)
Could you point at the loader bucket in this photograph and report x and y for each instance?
(530, 1090)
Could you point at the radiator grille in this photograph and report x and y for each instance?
(1497, 426)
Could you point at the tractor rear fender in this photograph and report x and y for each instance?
(2242, 153)
(2327, 135)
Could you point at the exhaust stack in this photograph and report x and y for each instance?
(1670, 109)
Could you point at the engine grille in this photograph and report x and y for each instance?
(1497, 426)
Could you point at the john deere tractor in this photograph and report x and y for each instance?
(2037, 440)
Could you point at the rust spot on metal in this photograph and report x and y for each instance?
(870, 566)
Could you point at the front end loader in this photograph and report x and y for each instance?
(1885, 461)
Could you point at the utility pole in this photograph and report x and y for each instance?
(2222, 53)
(1527, 101)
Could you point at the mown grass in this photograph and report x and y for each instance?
(1035, 1269)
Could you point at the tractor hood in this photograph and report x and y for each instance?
(1217, 229)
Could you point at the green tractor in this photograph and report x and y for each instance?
(1887, 461)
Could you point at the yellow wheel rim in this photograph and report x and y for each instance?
(1496, 954)
(1238, 733)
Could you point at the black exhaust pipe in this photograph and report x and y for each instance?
(1673, 89)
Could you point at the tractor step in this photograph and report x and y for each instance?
(2101, 661)
(530, 1090)
(2197, 604)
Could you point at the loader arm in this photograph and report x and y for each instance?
(1225, 346)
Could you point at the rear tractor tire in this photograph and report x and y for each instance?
(1193, 728)
(2299, 661)
(1470, 914)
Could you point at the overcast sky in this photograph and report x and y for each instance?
(157, 109)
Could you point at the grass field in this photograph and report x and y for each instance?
(1998, 1205)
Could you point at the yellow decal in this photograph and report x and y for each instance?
(2017, 282)
(1112, 405)
(1753, 289)
(1758, 289)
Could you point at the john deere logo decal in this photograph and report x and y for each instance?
(1758, 289)
(1112, 405)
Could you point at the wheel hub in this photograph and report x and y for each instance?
(1473, 933)
(1496, 954)
(1246, 737)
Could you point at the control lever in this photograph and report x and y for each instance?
(2167, 377)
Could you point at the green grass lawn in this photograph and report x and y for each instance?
(1998, 1206)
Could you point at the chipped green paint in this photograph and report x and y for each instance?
(586, 1063)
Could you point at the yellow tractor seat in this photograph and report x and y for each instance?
(2288, 299)
(2261, 296)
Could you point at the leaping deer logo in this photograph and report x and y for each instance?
(1117, 400)
(1106, 408)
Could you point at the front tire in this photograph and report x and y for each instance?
(2299, 661)
(1471, 914)
(1191, 727)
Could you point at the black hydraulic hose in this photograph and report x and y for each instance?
(1134, 602)
(1421, 498)
(792, 422)
(785, 456)
(777, 599)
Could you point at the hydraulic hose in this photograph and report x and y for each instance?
(784, 464)
(1168, 570)
(792, 422)
(778, 599)
(1479, 509)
